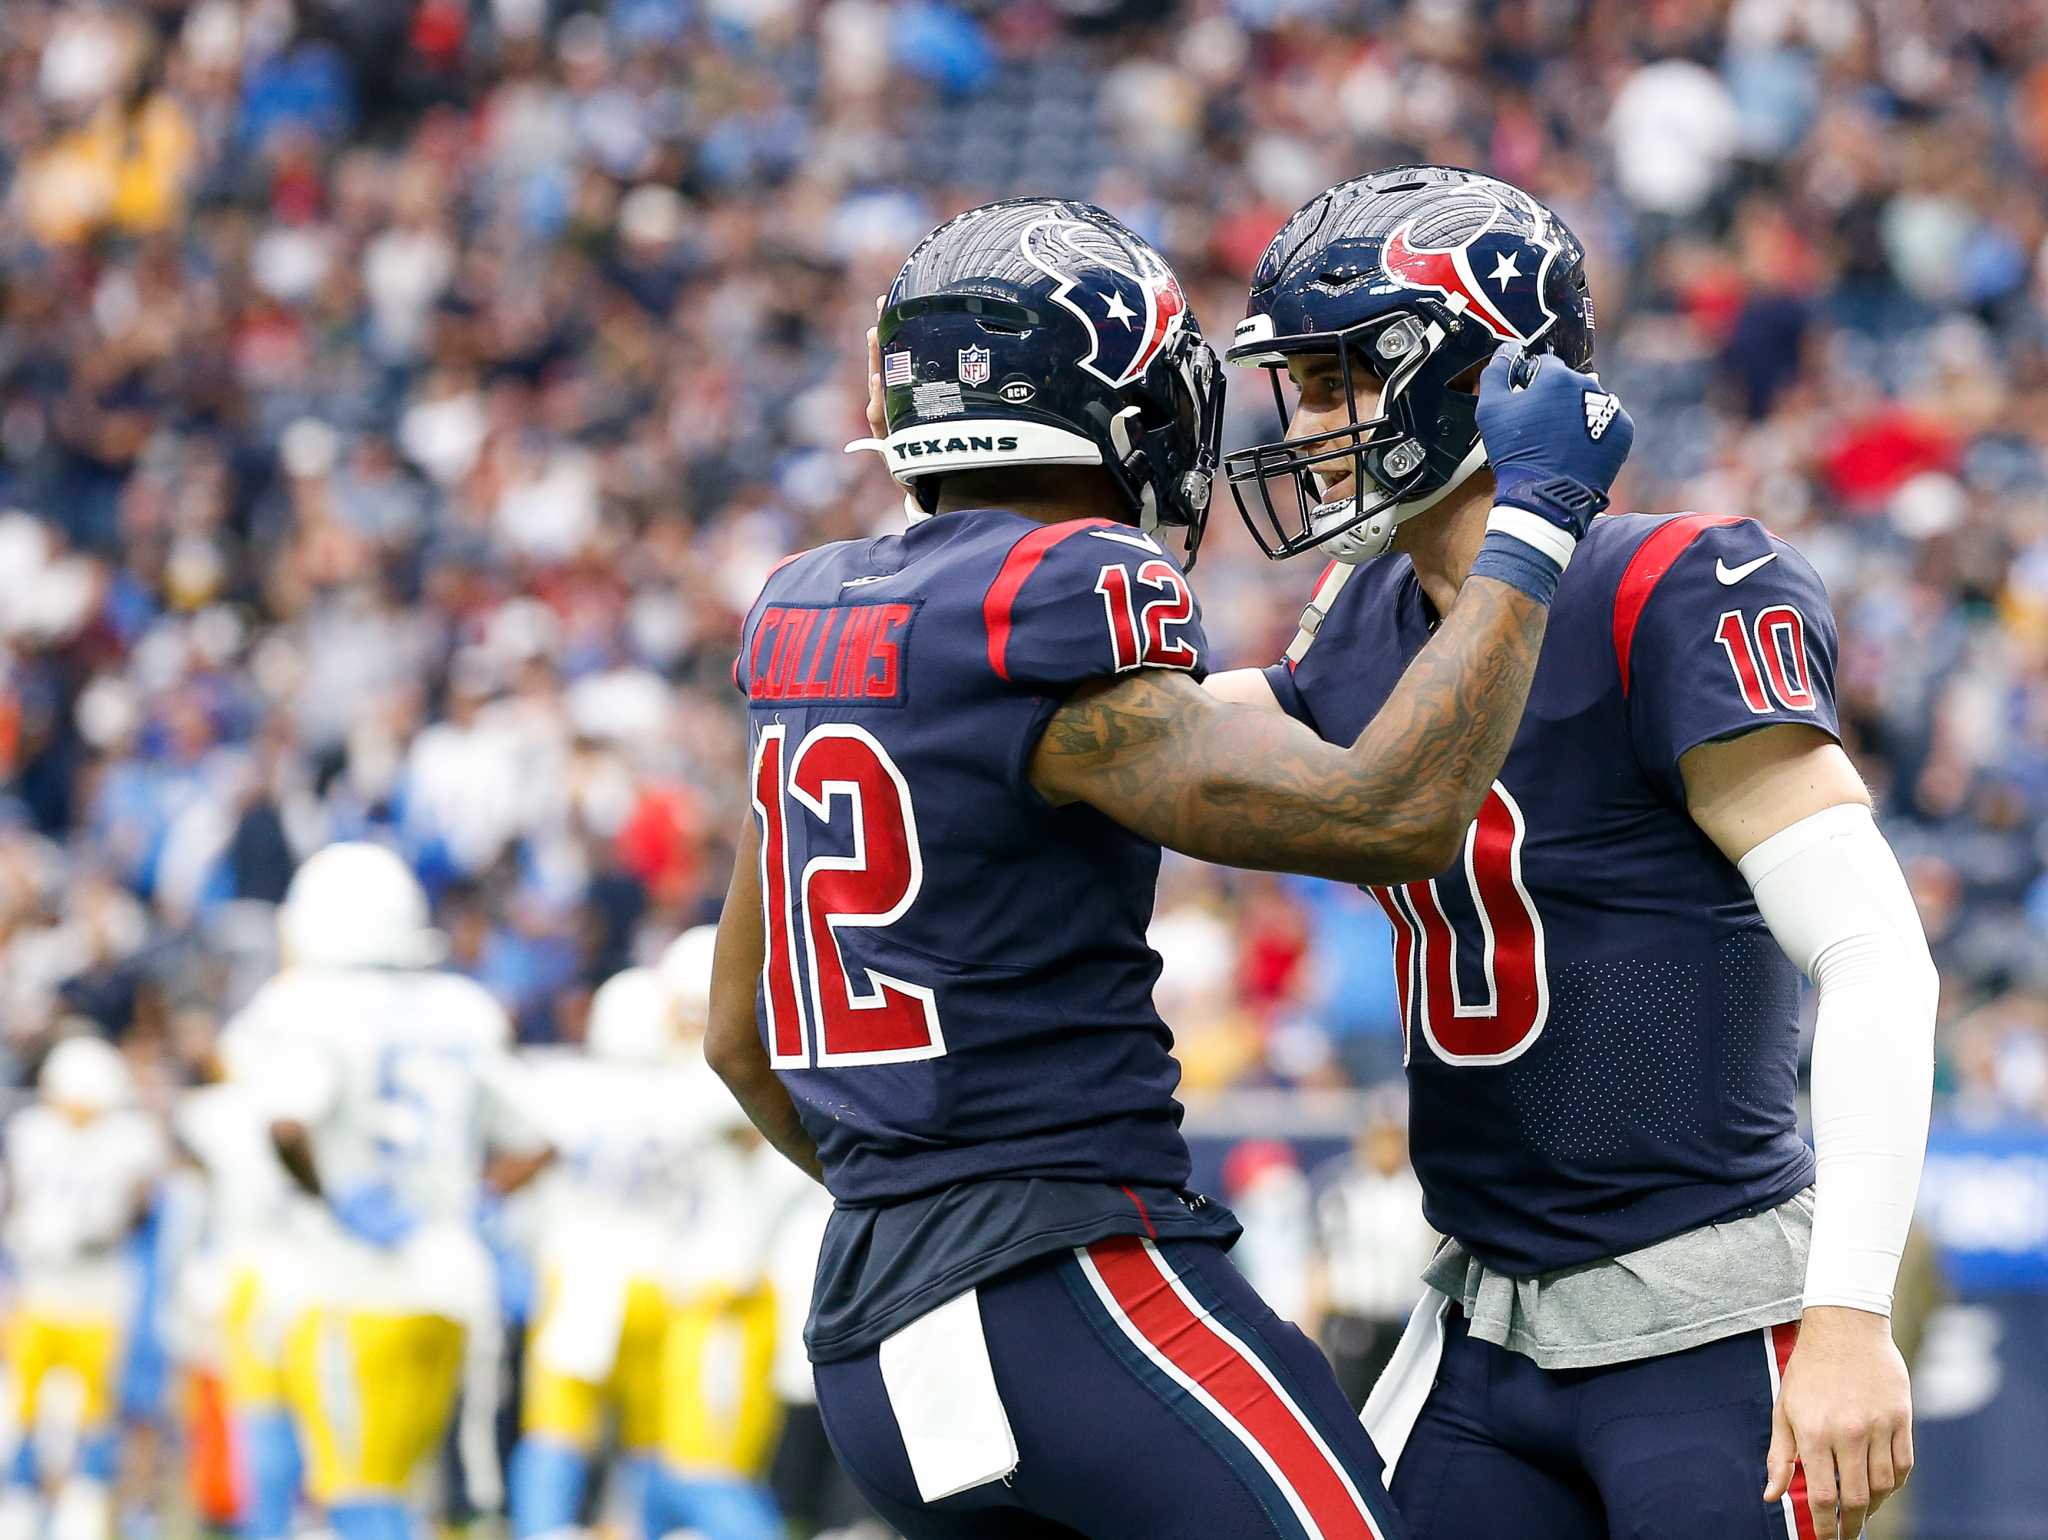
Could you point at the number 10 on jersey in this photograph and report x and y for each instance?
(1501, 1024)
(837, 776)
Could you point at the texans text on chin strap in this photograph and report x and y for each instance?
(1832, 893)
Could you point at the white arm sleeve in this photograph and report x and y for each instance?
(1832, 893)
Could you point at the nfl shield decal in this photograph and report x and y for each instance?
(974, 366)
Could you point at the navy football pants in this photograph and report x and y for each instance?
(1668, 1448)
(1153, 1397)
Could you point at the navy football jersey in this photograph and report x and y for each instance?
(958, 986)
(1602, 1035)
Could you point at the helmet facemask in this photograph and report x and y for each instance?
(1400, 465)
(1170, 439)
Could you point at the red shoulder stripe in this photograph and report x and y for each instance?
(1016, 571)
(1646, 569)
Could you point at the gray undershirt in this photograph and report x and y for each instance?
(1701, 1286)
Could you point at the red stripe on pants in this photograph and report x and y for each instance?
(1135, 1277)
(1783, 1337)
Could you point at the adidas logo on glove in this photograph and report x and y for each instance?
(1600, 410)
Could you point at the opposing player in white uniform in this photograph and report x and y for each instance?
(386, 1082)
(629, 1118)
(81, 1163)
(225, 1323)
(720, 1408)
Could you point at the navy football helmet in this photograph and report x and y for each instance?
(1419, 273)
(1040, 331)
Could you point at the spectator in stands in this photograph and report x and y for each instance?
(400, 401)
(1371, 1246)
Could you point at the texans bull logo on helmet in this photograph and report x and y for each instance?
(1131, 318)
(1483, 265)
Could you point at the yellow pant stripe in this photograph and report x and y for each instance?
(571, 1411)
(720, 1414)
(255, 1372)
(371, 1395)
(41, 1345)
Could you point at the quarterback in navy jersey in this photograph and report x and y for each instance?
(1648, 1318)
(932, 990)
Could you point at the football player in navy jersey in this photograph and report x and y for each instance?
(1654, 1314)
(932, 987)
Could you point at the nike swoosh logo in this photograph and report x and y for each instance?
(1728, 574)
(875, 577)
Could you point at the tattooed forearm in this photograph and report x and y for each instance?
(1443, 734)
(1253, 788)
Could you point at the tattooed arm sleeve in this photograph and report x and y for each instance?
(1165, 759)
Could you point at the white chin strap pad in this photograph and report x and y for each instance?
(1362, 542)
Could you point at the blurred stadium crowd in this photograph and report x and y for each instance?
(401, 400)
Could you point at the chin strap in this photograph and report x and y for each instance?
(1318, 606)
(1374, 537)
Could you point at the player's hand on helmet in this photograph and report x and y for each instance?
(1556, 441)
(373, 1212)
(1845, 1413)
(878, 415)
(1556, 438)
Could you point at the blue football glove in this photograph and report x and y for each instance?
(1555, 440)
(373, 1212)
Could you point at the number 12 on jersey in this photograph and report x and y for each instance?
(837, 775)
(1139, 634)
